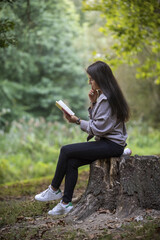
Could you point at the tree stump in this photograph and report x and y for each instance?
(121, 185)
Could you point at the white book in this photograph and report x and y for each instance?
(63, 107)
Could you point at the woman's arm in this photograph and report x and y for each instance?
(102, 122)
(74, 119)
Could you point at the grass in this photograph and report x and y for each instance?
(17, 199)
(35, 233)
(143, 139)
(24, 218)
(148, 231)
(14, 211)
(23, 187)
(31, 149)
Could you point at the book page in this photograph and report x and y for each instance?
(62, 106)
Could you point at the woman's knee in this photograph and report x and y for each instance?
(63, 150)
(66, 149)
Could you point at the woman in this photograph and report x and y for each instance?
(108, 112)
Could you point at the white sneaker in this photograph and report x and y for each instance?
(49, 195)
(127, 152)
(61, 209)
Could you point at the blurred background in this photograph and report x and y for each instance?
(45, 47)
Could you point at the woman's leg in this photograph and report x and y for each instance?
(75, 155)
(71, 177)
(60, 169)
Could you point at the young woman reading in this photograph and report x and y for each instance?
(108, 113)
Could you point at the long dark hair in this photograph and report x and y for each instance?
(102, 74)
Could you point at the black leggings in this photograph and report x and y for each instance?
(73, 156)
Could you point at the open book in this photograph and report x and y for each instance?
(63, 107)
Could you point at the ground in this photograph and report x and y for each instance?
(24, 218)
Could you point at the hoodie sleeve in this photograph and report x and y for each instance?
(101, 123)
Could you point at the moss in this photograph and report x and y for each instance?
(23, 188)
(148, 230)
(30, 187)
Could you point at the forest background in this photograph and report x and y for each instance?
(45, 48)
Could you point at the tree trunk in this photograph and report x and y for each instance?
(121, 185)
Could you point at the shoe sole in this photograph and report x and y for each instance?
(50, 214)
(58, 214)
(42, 200)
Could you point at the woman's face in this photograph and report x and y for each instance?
(93, 83)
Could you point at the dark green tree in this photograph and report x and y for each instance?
(6, 27)
(45, 66)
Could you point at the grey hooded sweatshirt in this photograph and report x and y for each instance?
(102, 124)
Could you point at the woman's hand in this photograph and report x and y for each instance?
(70, 118)
(93, 95)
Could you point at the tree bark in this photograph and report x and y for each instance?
(121, 185)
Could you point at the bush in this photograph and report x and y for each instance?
(31, 148)
(143, 139)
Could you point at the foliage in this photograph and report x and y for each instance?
(31, 148)
(135, 26)
(133, 32)
(6, 28)
(55, 42)
(46, 65)
(142, 96)
(143, 139)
